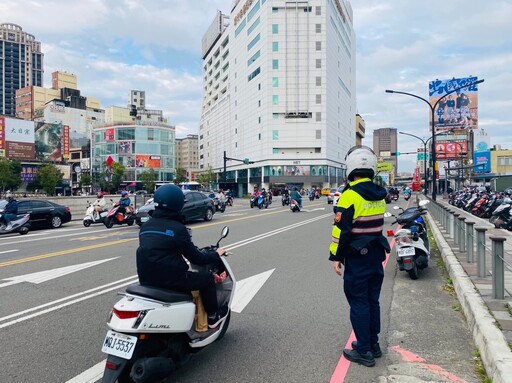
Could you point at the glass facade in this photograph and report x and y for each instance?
(138, 148)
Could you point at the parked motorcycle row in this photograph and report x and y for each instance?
(485, 204)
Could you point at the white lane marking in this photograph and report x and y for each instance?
(247, 288)
(9, 251)
(92, 375)
(128, 280)
(46, 275)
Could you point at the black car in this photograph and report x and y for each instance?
(197, 206)
(44, 213)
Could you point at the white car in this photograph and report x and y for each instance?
(330, 196)
(336, 196)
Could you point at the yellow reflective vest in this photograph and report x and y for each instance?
(358, 221)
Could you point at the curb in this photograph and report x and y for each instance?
(494, 350)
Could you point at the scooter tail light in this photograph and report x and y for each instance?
(125, 314)
(407, 260)
(111, 365)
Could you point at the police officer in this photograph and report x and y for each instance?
(358, 244)
(164, 241)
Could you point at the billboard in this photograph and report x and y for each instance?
(296, 170)
(16, 138)
(52, 141)
(147, 161)
(451, 150)
(458, 109)
(482, 153)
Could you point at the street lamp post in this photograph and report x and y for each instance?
(425, 142)
(432, 116)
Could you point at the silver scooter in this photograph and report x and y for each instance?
(19, 225)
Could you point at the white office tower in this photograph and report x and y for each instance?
(279, 90)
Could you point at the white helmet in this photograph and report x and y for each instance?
(360, 161)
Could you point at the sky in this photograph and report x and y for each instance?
(115, 46)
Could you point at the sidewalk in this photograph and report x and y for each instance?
(489, 320)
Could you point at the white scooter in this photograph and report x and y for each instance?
(411, 240)
(19, 225)
(294, 206)
(153, 330)
(90, 218)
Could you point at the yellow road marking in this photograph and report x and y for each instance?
(97, 246)
(63, 252)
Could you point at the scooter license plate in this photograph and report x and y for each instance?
(406, 251)
(118, 344)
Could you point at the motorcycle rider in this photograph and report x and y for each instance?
(358, 244)
(10, 211)
(124, 203)
(296, 195)
(164, 242)
(99, 205)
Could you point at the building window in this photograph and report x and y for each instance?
(275, 100)
(275, 46)
(252, 75)
(318, 81)
(318, 134)
(275, 116)
(318, 116)
(275, 29)
(240, 28)
(253, 26)
(253, 42)
(318, 98)
(275, 64)
(275, 150)
(259, 103)
(275, 82)
(318, 11)
(274, 9)
(318, 63)
(253, 58)
(318, 150)
(318, 28)
(259, 136)
(275, 134)
(318, 45)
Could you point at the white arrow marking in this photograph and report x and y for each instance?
(247, 288)
(43, 276)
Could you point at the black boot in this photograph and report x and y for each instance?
(366, 359)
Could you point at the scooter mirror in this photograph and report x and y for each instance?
(225, 232)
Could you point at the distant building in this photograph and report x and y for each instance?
(64, 89)
(187, 155)
(360, 129)
(385, 143)
(21, 64)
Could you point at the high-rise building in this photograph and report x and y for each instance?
(360, 129)
(187, 156)
(21, 64)
(385, 143)
(279, 91)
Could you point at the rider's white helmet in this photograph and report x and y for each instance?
(360, 161)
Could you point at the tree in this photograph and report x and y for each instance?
(118, 174)
(148, 179)
(181, 176)
(10, 174)
(206, 178)
(85, 180)
(49, 176)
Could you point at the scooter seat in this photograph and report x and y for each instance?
(159, 294)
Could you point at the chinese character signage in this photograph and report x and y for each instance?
(28, 173)
(65, 142)
(17, 138)
(109, 135)
(458, 109)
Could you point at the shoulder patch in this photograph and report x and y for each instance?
(338, 217)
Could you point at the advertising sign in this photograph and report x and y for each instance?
(296, 170)
(482, 154)
(458, 109)
(17, 138)
(49, 140)
(109, 135)
(451, 150)
(147, 161)
(28, 173)
(384, 166)
(124, 147)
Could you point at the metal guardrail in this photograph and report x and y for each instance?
(462, 232)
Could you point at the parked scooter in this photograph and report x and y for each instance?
(294, 206)
(19, 225)
(91, 218)
(152, 331)
(118, 218)
(502, 215)
(411, 240)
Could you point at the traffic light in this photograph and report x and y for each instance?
(246, 161)
(395, 153)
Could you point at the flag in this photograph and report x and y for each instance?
(109, 161)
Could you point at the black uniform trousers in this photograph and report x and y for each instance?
(362, 283)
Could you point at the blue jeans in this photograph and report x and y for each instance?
(8, 217)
